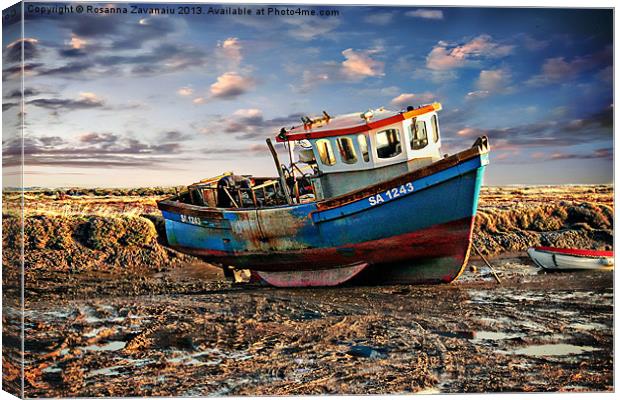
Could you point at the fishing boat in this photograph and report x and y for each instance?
(365, 196)
(553, 258)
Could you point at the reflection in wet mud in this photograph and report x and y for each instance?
(556, 349)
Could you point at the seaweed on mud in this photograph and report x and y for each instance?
(592, 215)
(508, 224)
(74, 244)
(42, 232)
(102, 232)
(138, 231)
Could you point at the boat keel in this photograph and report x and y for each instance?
(323, 277)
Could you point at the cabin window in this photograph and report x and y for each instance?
(418, 138)
(388, 143)
(435, 129)
(326, 153)
(363, 143)
(347, 150)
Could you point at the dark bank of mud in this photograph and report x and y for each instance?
(535, 332)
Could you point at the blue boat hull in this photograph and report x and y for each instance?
(415, 228)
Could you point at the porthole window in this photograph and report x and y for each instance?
(326, 153)
(435, 128)
(388, 143)
(418, 137)
(362, 141)
(347, 150)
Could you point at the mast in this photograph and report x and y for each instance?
(287, 195)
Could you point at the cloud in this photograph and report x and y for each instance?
(70, 69)
(230, 50)
(559, 70)
(250, 123)
(491, 82)
(379, 18)
(307, 29)
(174, 136)
(52, 140)
(316, 75)
(153, 28)
(13, 51)
(164, 58)
(444, 56)
(8, 106)
(17, 94)
(407, 99)
(596, 127)
(359, 64)
(126, 35)
(85, 100)
(231, 85)
(470, 132)
(531, 43)
(72, 53)
(244, 120)
(185, 91)
(115, 32)
(440, 58)
(99, 138)
(425, 13)
(96, 150)
(604, 153)
(389, 91)
(76, 47)
(606, 74)
(16, 71)
(246, 151)
(478, 94)
(77, 43)
(99, 46)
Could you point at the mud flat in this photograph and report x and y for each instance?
(535, 332)
(111, 311)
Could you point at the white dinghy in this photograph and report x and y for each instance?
(553, 258)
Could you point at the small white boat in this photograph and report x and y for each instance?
(554, 258)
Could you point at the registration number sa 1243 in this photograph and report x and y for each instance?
(391, 194)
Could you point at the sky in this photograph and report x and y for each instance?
(131, 100)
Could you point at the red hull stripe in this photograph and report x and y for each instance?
(577, 252)
(444, 240)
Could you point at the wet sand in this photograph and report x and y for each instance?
(188, 332)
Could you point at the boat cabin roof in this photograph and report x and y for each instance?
(349, 124)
